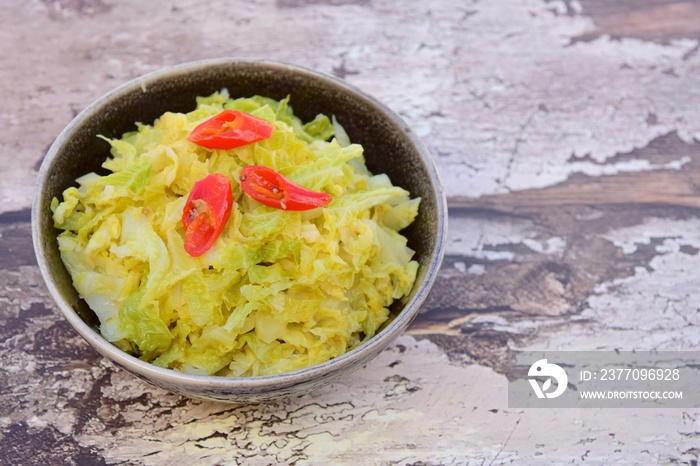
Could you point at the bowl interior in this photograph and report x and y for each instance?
(390, 146)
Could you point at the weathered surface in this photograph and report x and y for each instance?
(568, 137)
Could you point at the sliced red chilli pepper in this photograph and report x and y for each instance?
(206, 212)
(272, 189)
(230, 129)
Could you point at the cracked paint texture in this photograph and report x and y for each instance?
(567, 134)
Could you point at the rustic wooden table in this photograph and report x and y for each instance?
(568, 136)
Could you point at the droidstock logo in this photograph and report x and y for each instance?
(542, 369)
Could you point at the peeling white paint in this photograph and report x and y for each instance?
(552, 246)
(673, 234)
(630, 166)
(507, 100)
(490, 93)
(462, 413)
(489, 238)
(657, 308)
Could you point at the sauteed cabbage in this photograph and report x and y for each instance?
(278, 290)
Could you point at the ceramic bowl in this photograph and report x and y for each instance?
(390, 146)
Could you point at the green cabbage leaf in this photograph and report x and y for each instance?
(278, 291)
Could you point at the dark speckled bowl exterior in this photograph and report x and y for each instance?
(390, 147)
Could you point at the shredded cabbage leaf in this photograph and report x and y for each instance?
(279, 290)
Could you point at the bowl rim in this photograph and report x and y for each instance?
(235, 385)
